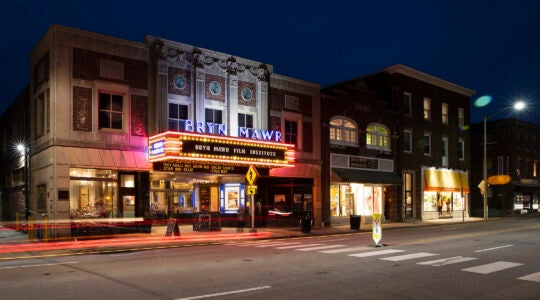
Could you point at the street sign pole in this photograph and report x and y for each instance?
(251, 177)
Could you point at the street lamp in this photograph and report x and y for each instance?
(519, 105)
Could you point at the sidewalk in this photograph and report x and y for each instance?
(14, 245)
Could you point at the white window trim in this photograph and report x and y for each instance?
(410, 103)
(116, 89)
(344, 143)
(445, 122)
(409, 132)
(424, 109)
(294, 117)
(376, 147)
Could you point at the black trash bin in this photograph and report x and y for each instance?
(355, 222)
(307, 222)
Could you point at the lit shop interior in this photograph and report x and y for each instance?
(356, 199)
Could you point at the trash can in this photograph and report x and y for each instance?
(355, 223)
(307, 222)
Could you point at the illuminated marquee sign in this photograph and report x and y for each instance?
(186, 146)
(221, 129)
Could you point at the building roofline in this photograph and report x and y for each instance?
(408, 71)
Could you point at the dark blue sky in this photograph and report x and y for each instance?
(492, 47)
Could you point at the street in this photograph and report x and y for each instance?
(485, 260)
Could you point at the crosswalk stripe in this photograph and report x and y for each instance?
(531, 277)
(375, 253)
(275, 244)
(346, 250)
(492, 267)
(298, 246)
(447, 261)
(409, 256)
(320, 248)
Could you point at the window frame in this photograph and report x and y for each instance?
(343, 134)
(461, 117)
(428, 145)
(407, 132)
(111, 111)
(427, 108)
(244, 116)
(381, 141)
(444, 113)
(461, 149)
(178, 120)
(407, 103)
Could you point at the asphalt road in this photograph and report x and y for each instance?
(491, 260)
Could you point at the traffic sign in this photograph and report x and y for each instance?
(377, 230)
(252, 190)
(251, 175)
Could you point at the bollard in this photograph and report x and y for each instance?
(46, 228)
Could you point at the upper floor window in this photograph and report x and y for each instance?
(461, 149)
(444, 113)
(427, 109)
(427, 143)
(111, 111)
(407, 140)
(377, 137)
(213, 116)
(407, 103)
(291, 132)
(343, 130)
(461, 117)
(177, 114)
(245, 120)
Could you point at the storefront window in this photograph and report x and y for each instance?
(93, 193)
(355, 199)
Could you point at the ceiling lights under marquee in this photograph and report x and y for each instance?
(187, 146)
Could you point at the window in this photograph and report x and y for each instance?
(407, 140)
(177, 114)
(461, 149)
(535, 168)
(461, 118)
(444, 113)
(377, 137)
(427, 143)
(40, 115)
(427, 109)
(343, 130)
(110, 111)
(407, 103)
(213, 116)
(291, 132)
(245, 120)
(408, 193)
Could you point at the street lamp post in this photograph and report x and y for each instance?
(517, 106)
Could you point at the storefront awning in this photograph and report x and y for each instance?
(102, 158)
(364, 176)
(445, 181)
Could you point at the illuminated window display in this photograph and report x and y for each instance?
(355, 199)
(93, 193)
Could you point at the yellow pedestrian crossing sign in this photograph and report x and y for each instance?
(251, 175)
(252, 190)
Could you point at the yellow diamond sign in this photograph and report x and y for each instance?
(251, 175)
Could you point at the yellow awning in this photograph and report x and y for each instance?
(446, 181)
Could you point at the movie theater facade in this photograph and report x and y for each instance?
(217, 115)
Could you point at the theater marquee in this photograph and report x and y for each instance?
(192, 147)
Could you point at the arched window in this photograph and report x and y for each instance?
(378, 137)
(343, 131)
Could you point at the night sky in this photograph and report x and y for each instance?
(492, 47)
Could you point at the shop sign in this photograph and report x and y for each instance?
(197, 168)
(223, 148)
(221, 129)
(157, 147)
(363, 163)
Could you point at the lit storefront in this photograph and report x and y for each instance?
(445, 193)
(361, 186)
(196, 172)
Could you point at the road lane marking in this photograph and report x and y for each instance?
(409, 256)
(39, 265)
(320, 248)
(226, 293)
(492, 267)
(347, 250)
(298, 246)
(494, 248)
(447, 261)
(275, 244)
(531, 277)
(375, 253)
